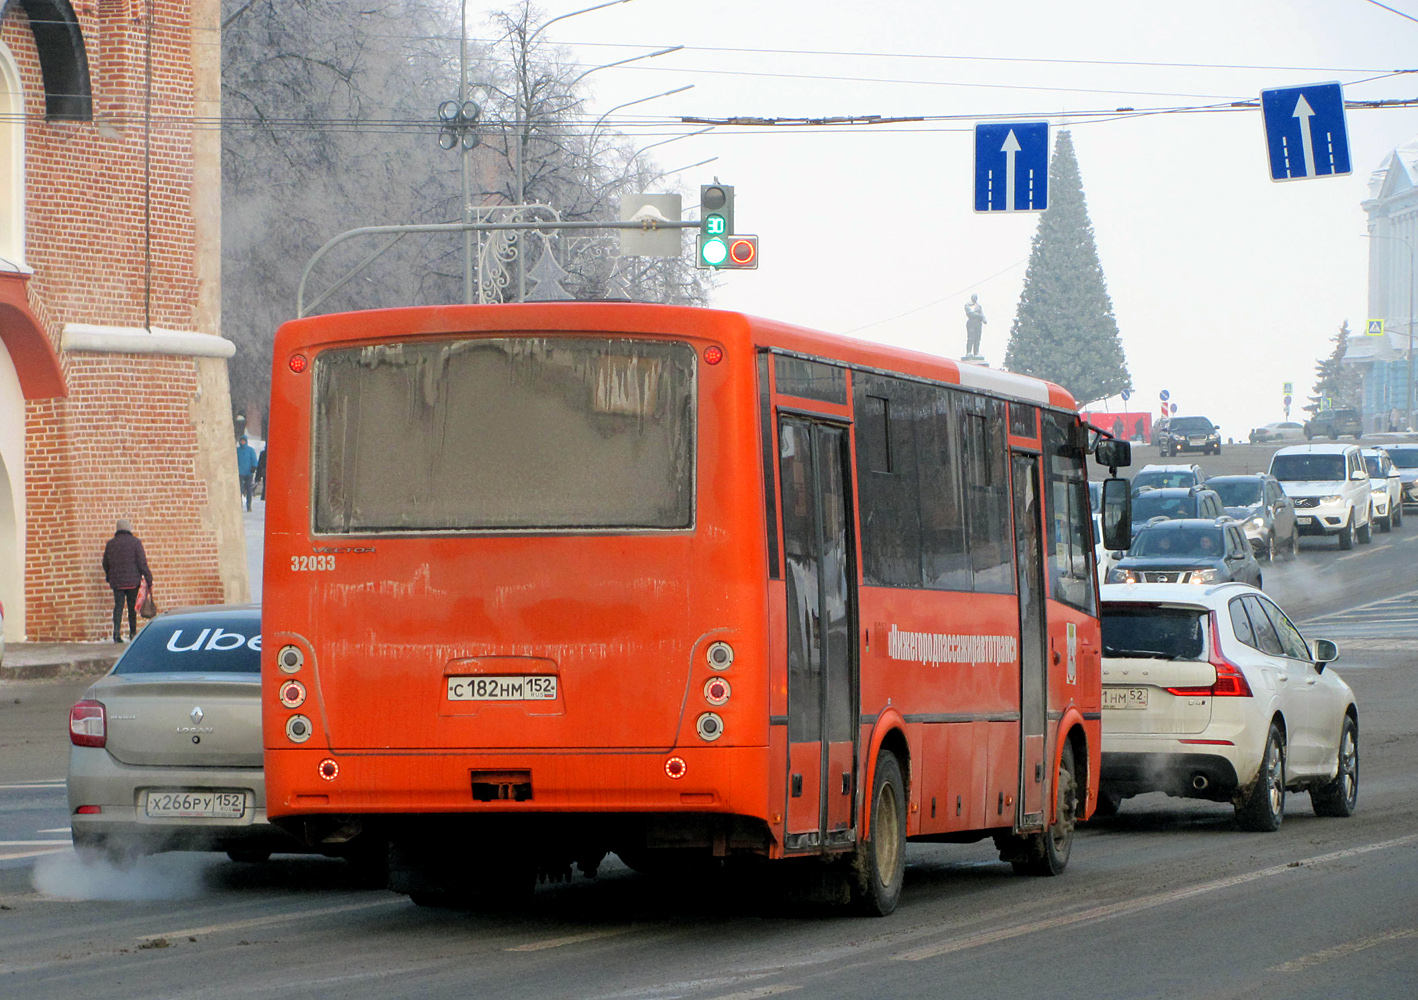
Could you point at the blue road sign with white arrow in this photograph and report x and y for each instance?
(1012, 167)
(1305, 131)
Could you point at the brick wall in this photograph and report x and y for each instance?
(125, 442)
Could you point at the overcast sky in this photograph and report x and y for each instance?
(1224, 283)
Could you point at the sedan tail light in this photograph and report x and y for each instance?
(88, 726)
(1230, 682)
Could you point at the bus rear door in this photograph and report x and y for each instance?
(821, 592)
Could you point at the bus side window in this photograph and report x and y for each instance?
(987, 503)
(945, 558)
(1071, 564)
(887, 480)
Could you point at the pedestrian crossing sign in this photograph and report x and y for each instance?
(1374, 328)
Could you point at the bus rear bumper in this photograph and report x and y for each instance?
(313, 782)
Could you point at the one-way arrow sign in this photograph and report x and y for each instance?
(1012, 167)
(1305, 131)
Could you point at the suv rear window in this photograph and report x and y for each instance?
(1148, 630)
(225, 645)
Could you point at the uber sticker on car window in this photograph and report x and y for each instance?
(211, 640)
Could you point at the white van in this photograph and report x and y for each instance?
(1330, 486)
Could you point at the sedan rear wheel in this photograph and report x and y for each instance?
(1263, 807)
(1340, 796)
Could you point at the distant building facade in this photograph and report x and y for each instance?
(113, 384)
(1392, 208)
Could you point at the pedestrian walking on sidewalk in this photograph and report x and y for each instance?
(125, 566)
(246, 468)
(261, 472)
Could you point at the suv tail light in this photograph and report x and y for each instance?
(88, 726)
(1230, 682)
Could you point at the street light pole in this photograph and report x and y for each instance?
(1408, 415)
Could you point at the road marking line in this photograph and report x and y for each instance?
(35, 784)
(16, 855)
(57, 829)
(1138, 903)
(761, 991)
(1339, 951)
(569, 939)
(35, 843)
(275, 918)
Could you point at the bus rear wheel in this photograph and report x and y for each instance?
(1047, 852)
(879, 865)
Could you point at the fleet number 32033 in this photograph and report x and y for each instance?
(306, 564)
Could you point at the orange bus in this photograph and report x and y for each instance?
(548, 581)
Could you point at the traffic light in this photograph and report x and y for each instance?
(716, 223)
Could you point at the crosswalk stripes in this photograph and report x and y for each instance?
(1390, 618)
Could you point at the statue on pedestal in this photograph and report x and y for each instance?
(974, 326)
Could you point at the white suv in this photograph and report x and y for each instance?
(1330, 486)
(1387, 486)
(1212, 693)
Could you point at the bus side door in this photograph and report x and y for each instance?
(820, 572)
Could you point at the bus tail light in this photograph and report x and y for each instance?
(292, 694)
(329, 769)
(717, 691)
(713, 354)
(298, 729)
(709, 726)
(675, 767)
(298, 363)
(88, 726)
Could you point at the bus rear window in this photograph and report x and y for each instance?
(525, 433)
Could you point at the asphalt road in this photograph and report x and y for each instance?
(1167, 900)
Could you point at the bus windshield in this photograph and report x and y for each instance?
(524, 433)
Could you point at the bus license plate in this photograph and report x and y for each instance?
(527, 687)
(1125, 698)
(179, 804)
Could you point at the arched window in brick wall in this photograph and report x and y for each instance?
(12, 163)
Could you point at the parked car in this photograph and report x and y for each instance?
(1190, 434)
(1188, 551)
(1266, 514)
(1330, 487)
(1405, 459)
(1335, 423)
(1167, 476)
(1386, 489)
(166, 748)
(1213, 693)
(1284, 430)
(1170, 503)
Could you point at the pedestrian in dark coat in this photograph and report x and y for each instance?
(261, 472)
(125, 566)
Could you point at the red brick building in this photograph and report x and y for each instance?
(113, 385)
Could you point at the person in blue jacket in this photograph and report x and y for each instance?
(246, 468)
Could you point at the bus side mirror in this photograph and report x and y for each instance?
(1114, 454)
(1117, 512)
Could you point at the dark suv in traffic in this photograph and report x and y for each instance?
(1189, 434)
(1335, 423)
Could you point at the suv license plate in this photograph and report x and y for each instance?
(1124, 698)
(179, 804)
(527, 687)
